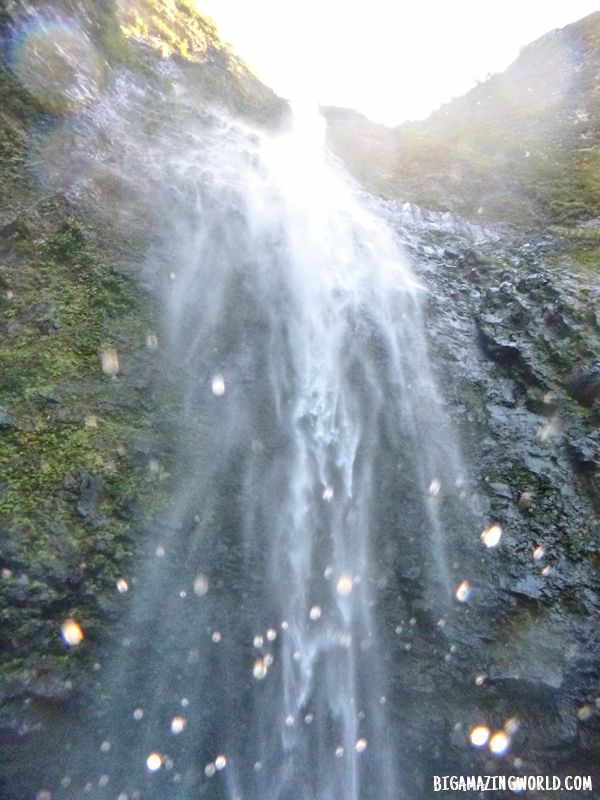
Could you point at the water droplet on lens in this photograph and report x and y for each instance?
(479, 736)
(218, 385)
(511, 726)
(177, 725)
(463, 592)
(499, 743)
(154, 762)
(72, 632)
(434, 487)
(110, 362)
(260, 670)
(345, 584)
(491, 536)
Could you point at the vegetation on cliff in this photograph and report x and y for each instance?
(522, 146)
(70, 477)
(85, 424)
(86, 421)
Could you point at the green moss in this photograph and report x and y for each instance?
(18, 110)
(70, 419)
(520, 147)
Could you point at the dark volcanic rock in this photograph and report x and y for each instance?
(90, 495)
(510, 320)
(584, 385)
(586, 454)
(505, 339)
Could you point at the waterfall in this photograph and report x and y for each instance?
(309, 440)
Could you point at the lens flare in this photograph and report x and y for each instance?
(58, 63)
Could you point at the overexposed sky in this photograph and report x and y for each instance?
(390, 59)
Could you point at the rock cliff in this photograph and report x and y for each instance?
(497, 198)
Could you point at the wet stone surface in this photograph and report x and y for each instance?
(508, 331)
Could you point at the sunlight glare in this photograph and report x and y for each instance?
(389, 61)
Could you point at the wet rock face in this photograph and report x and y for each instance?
(584, 385)
(515, 335)
(516, 348)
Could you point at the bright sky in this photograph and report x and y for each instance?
(390, 59)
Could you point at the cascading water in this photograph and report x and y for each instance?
(309, 431)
